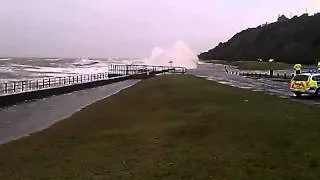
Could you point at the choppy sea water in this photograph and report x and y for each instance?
(13, 69)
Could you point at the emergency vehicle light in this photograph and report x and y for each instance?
(313, 71)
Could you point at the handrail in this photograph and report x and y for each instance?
(14, 87)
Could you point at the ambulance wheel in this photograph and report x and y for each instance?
(298, 94)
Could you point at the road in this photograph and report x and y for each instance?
(216, 72)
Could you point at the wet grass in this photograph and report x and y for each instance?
(174, 127)
(256, 65)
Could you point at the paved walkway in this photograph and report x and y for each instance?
(25, 118)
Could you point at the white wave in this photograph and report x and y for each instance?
(19, 65)
(179, 54)
(68, 70)
(6, 70)
(5, 59)
(52, 59)
(61, 68)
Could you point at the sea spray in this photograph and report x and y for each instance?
(179, 54)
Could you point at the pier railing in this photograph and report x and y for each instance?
(134, 69)
(14, 87)
(50, 82)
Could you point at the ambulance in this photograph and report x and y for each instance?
(306, 83)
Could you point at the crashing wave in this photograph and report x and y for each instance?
(179, 54)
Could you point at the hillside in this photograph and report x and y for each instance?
(295, 40)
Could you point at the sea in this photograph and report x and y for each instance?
(26, 68)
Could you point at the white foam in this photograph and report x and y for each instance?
(224, 82)
(5, 59)
(179, 53)
(52, 59)
(80, 66)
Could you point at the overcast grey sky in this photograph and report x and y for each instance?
(130, 28)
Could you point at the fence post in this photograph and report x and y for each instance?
(43, 83)
(127, 69)
(22, 86)
(14, 86)
(49, 82)
(6, 88)
(285, 76)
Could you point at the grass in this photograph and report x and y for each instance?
(174, 127)
(256, 65)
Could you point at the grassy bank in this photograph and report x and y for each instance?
(174, 127)
(256, 65)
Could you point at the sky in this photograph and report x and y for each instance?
(130, 28)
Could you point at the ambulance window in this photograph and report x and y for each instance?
(301, 78)
(316, 78)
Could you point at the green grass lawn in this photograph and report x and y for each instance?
(174, 127)
(256, 65)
